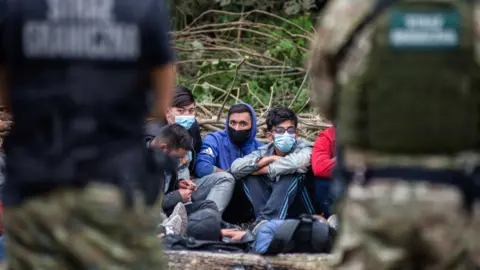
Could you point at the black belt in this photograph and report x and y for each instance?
(469, 184)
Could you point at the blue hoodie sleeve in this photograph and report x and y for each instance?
(205, 164)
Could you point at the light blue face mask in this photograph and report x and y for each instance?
(185, 121)
(284, 142)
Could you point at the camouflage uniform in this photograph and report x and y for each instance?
(395, 224)
(92, 229)
(389, 223)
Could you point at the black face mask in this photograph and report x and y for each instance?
(239, 137)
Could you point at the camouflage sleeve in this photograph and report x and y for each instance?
(339, 20)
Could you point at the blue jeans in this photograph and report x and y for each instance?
(271, 199)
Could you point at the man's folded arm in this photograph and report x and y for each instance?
(292, 163)
(247, 165)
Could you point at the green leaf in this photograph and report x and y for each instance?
(286, 44)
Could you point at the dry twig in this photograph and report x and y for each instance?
(231, 87)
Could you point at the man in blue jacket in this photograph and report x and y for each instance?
(221, 149)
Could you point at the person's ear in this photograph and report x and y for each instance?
(170, 117)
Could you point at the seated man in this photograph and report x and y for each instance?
(323, 162)
(175, 141)
(274, 174)
(220, 149)
(182, 112)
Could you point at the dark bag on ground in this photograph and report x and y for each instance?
(177, 242)
(303, 235)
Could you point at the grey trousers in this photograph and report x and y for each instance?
(217, 187)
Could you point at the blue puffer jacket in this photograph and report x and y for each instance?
(219, 152)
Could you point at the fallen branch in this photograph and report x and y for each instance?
(212, 261)
(231, 87)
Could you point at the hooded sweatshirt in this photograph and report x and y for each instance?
(219, 152)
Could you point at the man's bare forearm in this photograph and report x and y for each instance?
(262, 171)
(265, 161)
(164, 82)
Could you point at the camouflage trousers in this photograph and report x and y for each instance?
(407, 225)
(90, 228)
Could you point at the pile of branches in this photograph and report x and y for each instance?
(210, 53)
(231, 41)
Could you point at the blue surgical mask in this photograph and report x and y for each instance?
(185, 121)
(284, 142)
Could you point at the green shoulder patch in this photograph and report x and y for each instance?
(427, 30)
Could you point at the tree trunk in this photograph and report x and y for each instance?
(186, 260)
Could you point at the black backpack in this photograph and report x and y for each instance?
(303, 235)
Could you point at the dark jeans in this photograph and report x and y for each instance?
(323, 196)
(240, 209)
(285, 198)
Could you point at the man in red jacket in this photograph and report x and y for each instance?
(323, 161)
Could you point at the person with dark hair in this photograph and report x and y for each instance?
(182, 112)
(175, 141)
(275, 174)
(221, 148)
(217, 188)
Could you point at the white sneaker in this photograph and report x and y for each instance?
(173, 225)
(180, 210)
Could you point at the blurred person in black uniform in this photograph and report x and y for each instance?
(73, 73)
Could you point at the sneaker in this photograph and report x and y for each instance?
(180, 210)
(173, 225)
(333, 221)
(257, 225)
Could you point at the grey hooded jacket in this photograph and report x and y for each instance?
(297, 161)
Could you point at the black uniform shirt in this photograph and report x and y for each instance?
(77, 74)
